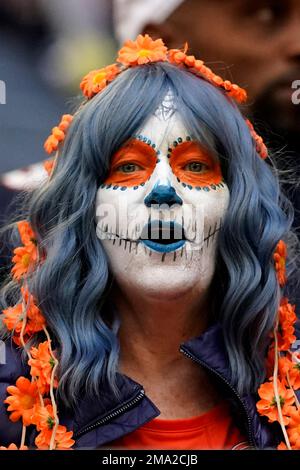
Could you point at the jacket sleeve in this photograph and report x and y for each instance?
(11, 367)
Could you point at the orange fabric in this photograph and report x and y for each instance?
(137, 153)
(214, 429)
(190, 152)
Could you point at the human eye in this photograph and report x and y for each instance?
(269, 13)
(129, 167)
(196, 167)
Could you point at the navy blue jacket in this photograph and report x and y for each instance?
(96, 423)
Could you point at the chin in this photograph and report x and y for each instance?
(166, 282)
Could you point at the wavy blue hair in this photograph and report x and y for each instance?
(71, 285)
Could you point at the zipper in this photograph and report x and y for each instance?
(249, 424)
(113, 414)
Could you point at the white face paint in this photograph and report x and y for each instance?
(165, 186)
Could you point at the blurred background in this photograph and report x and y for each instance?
(46, 46)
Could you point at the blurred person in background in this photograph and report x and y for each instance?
(253, 42)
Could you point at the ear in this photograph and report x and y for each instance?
(164, 31)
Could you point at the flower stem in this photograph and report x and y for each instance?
(52, 441)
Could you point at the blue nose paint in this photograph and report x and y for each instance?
(162, 194)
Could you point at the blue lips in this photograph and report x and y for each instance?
(163, 248)
(154, 236)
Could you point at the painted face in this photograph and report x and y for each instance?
(161, 207)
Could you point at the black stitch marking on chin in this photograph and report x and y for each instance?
(208, 236)
(215, 231)
(211, 236)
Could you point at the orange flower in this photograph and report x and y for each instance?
(49, 165)
(96, 80)
(176, 56)
(26, 233)
(294, 374)
(24, 396)
(286, 330)
(237, 93)
(282, 446)
(58, 134)
(280, 261)
(13, 447)
(287, 312)
(13, 318)
(42, 365)
(142, 51)
(44, 417)
(36, 320)
(267, 405)
(284, 365)
(260, 146)
(63, 439)
(293, 430)
(190, 61)
(24, 260)
(51, 144)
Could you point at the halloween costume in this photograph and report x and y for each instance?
(161, 159)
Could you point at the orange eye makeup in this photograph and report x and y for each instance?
(192, 164)
(132, 164)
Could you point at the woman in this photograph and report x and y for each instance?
(149, 284)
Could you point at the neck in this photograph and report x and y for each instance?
(152, 329)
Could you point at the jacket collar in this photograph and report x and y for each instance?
(209, 350)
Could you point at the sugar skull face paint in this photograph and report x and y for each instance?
(161, 207)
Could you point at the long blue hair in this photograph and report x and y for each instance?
(72, 284)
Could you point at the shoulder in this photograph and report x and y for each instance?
(11, 367)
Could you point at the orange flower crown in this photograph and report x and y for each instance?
(142, 51)
(33, 401)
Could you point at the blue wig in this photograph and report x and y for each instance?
(71, 285)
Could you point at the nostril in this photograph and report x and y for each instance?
(162, 194)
